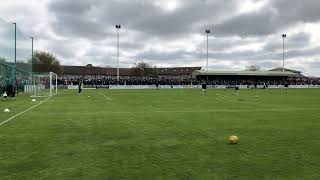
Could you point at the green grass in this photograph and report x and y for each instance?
(163, 134)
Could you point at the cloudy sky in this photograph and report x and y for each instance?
(172, 32)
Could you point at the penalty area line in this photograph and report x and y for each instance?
(16, 115)
(106, 97)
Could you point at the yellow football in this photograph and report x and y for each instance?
(233, 139)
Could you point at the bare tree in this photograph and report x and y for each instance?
(253, 67)
(46, 62)
(143, 69)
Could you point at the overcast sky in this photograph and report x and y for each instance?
(172, 32)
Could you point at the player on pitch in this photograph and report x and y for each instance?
(204, 88)
(80, 87)
(236, 90)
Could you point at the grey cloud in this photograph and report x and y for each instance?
(278, 15)
(269, 64)
(75, 27)
(76, 20)
(225, 43)
(192, 18)
(217, 59)
(250, 56)
(70, 24)
(66, 7)
(299, 37)
(251, 24)
(303, 53)
(315, 64)
(62, 48)
(127, 46)
(299, 40)
(296, 53)
(297, 10)
(158, 56)
(72, 20)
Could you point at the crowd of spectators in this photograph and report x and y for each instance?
(163, 81)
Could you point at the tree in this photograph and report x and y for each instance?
(89, 65)
(143, 69)
(2, 60)
(254, 67)
(46, 62)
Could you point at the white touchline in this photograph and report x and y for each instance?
(16, 115)
(179, 111)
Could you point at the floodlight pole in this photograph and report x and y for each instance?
(15, 55)
(31, 52)
(32, 62)
(283, 37)
(208, 32)
(118, 27)
(15, 42)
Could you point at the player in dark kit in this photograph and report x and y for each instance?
(236, 89)
(10, 91)
(80, 87)
(204, 88)
(286, 85)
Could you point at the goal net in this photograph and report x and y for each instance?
(44, 85)
(15, 64)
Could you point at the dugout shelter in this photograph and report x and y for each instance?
(246, 77)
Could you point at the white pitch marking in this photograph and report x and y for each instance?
(107, 98)
(182, 111)
(16, 115)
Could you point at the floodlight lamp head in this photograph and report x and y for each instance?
(118, 26)
(284, 35)
(208, 31)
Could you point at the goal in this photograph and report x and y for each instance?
(45, 85)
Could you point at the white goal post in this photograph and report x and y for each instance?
(44, 85)
(53, 83)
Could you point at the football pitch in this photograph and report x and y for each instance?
(162, 134)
